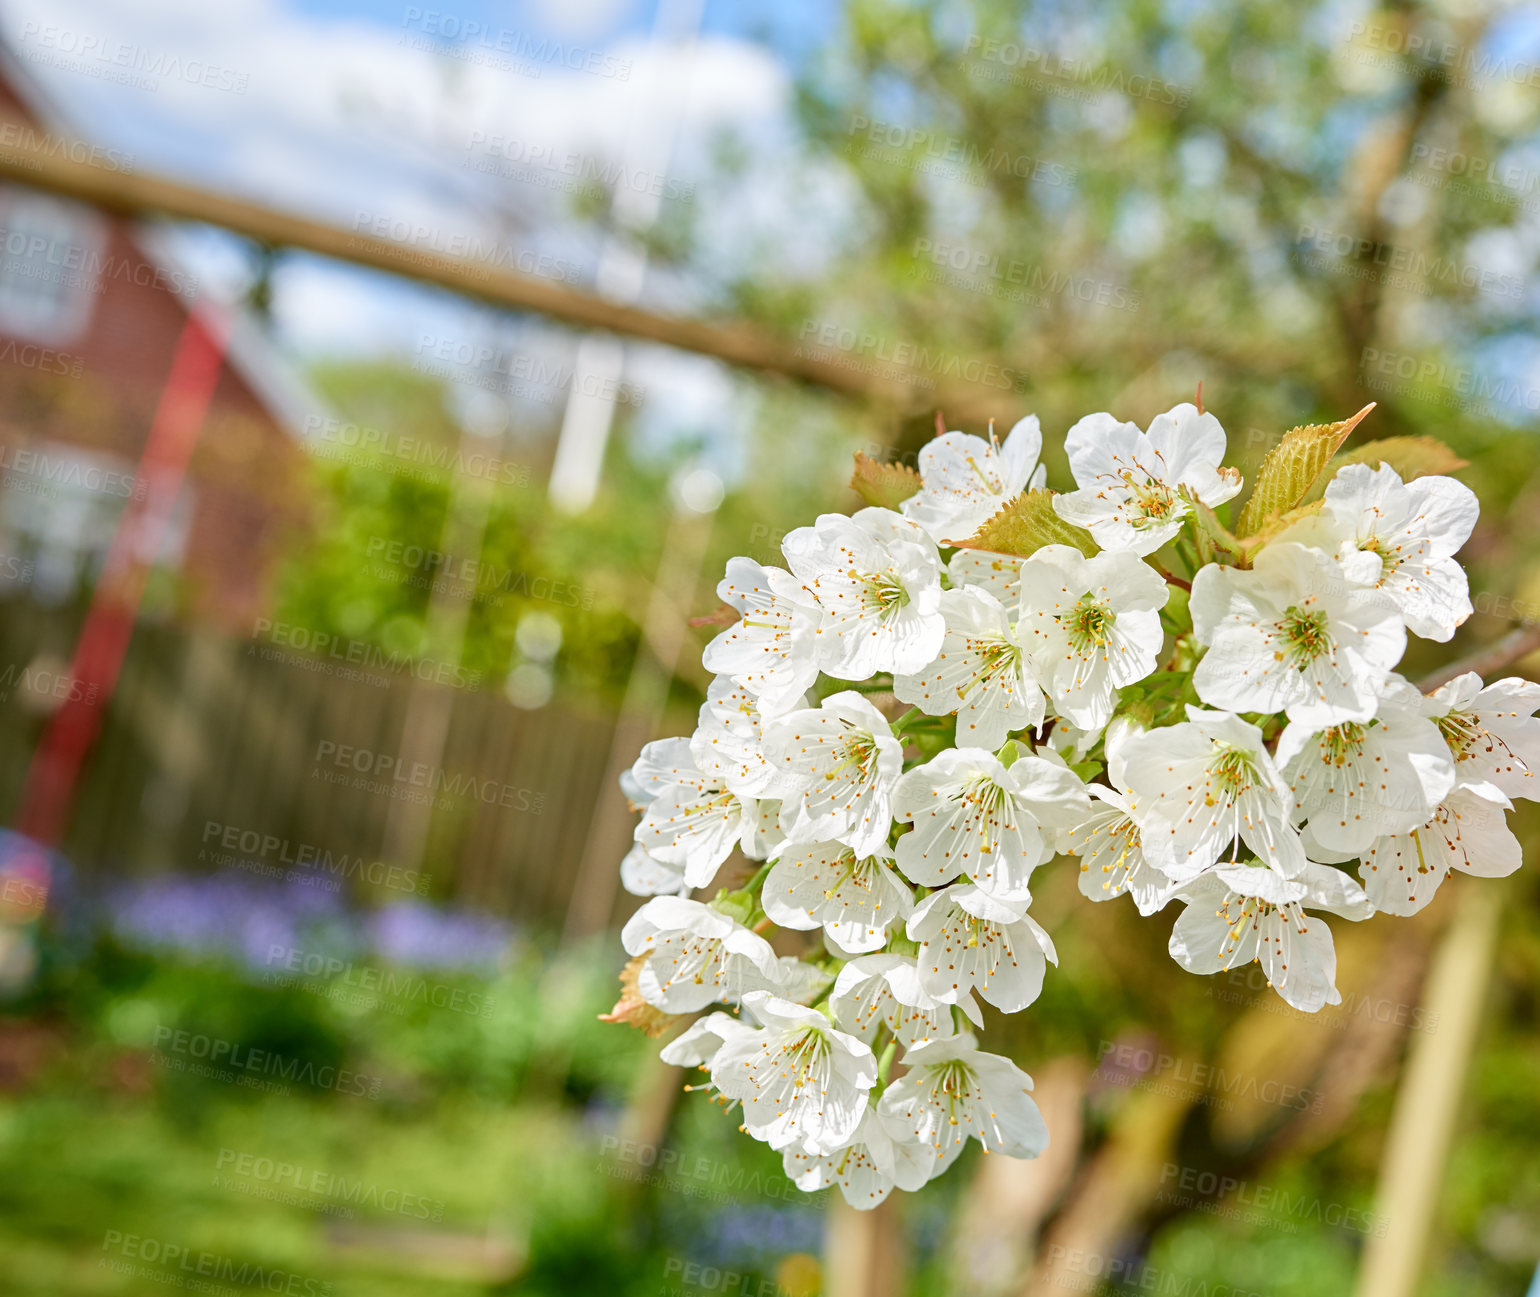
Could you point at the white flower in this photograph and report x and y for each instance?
(1414, 529)
(981, 672)
(799, 981)
(967, 480)
(656, 769)
(1468, 832)
(1130, 482)
(1240, 913)
(1201, 787)
(1090, 626)
(825, 884)
(726, 743)
(953, 1090)
(836, 766)
(1111, 859)
(999, 574)
(878, 581)
(1358, 781)
(693, 822)
(1295, 634)
(698, 1043)
(766, 837)
(973, 815)
(802, 1083)
(886, 988)
(968, 940)
(772, 649)
(1492, 733)
(694, 956)
(642, 875)
(868, 1168)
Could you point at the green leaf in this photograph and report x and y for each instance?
(1409, 456)
(1292, 468)
(1025, 525)
(1215, 544)
(1281, 523)
(885, 485)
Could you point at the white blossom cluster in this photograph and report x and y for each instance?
(1220, 728)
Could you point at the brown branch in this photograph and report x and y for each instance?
(1517, 643)
(142, 195)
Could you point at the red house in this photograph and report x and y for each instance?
(91, 310)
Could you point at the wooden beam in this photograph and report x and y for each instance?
(139, 195)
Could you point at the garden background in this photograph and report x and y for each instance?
(309, 984)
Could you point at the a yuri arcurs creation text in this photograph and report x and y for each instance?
(938, 695)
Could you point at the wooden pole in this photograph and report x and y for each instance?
(415, 250)
(1428, 1103)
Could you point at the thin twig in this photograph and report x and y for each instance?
(1173, 579)
(1517, 643)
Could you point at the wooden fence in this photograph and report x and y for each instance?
(219, 752)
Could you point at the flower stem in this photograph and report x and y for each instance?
(758, 878)
(1171, 577)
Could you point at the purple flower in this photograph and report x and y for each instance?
(224, 915)
(421, 935)
(250, 921)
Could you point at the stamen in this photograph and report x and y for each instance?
(1088, 624)
(1305, 636)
